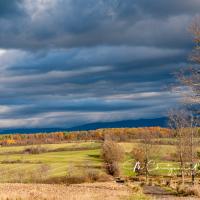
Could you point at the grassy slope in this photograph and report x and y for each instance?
(61, 160)
(58, 161)
(49, 146)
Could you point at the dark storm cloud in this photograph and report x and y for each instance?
(121, 57)
(80, 61)
(168, 8)
(75, 23)
(10, 8)
(73, 72)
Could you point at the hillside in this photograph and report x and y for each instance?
(162, 122)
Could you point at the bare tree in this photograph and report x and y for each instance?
(181, 120)
(144, 153)
(183, 124)
(177, 122)
(191, 146)
(195, 29)
(191, 77)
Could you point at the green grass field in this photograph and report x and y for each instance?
(49, 146)
(62, 158)
(13, 160)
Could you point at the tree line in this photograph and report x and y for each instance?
(116, 134)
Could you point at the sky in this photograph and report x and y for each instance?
(69, 62)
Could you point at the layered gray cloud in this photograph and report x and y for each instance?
(59, 23)
(67, 62)
(11, 8)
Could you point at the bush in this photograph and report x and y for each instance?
(35, 150)
(138, 154)
(150, 182)
(112, 168)
(168, 182)
(75, 179)
(14, 161)
(112, 154)
(105, 177)
(92, 175)
(196, 191)
(87, 174)
(188, 191)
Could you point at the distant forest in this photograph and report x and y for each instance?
(117, 134)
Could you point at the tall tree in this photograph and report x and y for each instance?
(183, 124)
(191, 76)
(178, 122)
(145, 152)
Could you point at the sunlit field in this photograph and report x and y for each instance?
(14, 161)
(61, 159)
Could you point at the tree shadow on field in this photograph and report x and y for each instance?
(94, 156)
(89, 166)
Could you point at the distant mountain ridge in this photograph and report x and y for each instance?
(162, 122)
